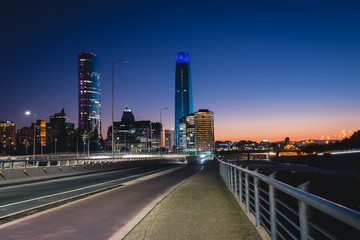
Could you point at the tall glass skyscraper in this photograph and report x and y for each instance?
(183, 90)
(89, 95)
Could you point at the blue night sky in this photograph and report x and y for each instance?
(268, 69)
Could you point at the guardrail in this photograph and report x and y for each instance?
(59, 160)
(17, 171)
(286, 212)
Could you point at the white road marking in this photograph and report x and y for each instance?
(66, 178)
(82, 188)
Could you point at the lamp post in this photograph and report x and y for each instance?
(9, 146)
(29, 113)
(41, 145)
(77, 144)
(112, 115)
(55, 145)
(26, 147)
(161, 131)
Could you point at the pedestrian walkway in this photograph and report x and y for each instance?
(201, 208)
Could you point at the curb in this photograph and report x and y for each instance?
(125, 230)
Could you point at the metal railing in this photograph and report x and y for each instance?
(286, 212)
(28, 162)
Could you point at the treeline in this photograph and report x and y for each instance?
(346, 144)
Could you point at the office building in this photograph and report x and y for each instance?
(60, 134)
(89, 96)
(41, 132)
(127, 116)
(7, 137)
(204, 130)
(156, 129)
(187, 133)
(23, 139)
(183, 90)
(135, 136)
(169, 138)
(190, 132)
(182, 134)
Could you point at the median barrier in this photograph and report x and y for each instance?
(41, 170)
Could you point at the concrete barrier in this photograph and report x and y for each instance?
(34, 173)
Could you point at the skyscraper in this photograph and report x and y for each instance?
(204, 130)
(183, 90)
(89, 95)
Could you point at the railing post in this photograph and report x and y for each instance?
(272, 210)
(256, 195)
(247, 192)
(303, 214)
(226, 175)
(240, 186)
(236, 182)
(231, 179)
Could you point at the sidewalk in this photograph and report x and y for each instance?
(201, 208)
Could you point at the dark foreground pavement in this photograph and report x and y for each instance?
(201, 208)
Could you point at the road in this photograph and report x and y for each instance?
(96, 217)
(21, 197)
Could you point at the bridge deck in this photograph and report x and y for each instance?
(202, 208)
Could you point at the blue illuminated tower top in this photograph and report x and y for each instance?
(183, 90)
(182, 57)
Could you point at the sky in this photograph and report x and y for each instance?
(267, 69)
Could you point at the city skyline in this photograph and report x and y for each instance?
(267, 71)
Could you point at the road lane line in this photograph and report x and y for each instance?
(35, 212)
(82, 188)
(67, 178)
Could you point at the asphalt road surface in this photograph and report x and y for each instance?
(96, 217)
(21, 197)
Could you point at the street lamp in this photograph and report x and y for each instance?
(161, 132)
(55, 145)
(29, 113)
(26, 146)
(112, 115)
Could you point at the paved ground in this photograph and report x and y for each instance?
(202, 208)
(99, 216)
(21, 197)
